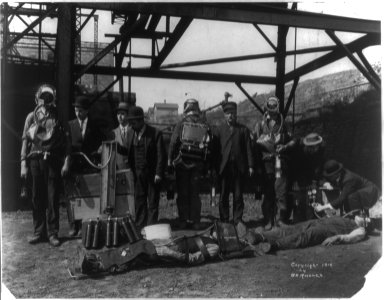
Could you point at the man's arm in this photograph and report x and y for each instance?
(161, 156)
(353, 237)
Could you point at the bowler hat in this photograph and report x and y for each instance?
(82, 101)
(124, 106)
(229, 106)
(312, 139)
(135, 113)
(332, 168)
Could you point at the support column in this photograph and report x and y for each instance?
(280, 63)
(65, 49)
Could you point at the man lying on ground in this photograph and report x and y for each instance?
(326, 231)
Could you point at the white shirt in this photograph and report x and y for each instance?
(140, 133)
(84, 127)
(124, 130)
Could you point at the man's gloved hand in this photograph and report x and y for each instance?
(327, 186)
(281, 148)
(65, 168)
(157, 179)
(23, 169)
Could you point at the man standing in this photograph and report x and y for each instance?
(85, 138)
(45, 145)
(146, 156)
(189, 152)
(273, 143)
(120, 135)
(236, 160)
(356, 192)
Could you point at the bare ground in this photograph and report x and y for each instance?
(40, 271)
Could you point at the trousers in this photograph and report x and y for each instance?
(231, 181)
(188, 199)
(309, 233)
(147, 195)
(45, 195)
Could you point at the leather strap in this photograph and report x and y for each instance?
(202, 247)
(186, 258)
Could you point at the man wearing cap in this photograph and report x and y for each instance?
(146, 157)
(188, 169)
(235, 162)
(86, 137)
(45, 153)
(306, 165)
(356, 192)
(120, 134)
(273, 143)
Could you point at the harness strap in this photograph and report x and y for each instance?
(202, 247)
(186, 258)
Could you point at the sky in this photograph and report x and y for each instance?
(208, 39)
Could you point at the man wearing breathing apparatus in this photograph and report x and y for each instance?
(45, 153)
(188, 154)
(272, 145)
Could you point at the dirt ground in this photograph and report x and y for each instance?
(40, 271)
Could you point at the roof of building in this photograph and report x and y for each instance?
(166, 105)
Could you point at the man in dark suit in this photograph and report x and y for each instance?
(86, 138)
(356, 192)
(146, 157)
(235, 162)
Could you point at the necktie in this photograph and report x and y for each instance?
(82, 128)
(124, 133)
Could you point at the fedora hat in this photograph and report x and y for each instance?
(82, 101)
(312, 139)
(332, 168)
(135, 113)
(123, 106)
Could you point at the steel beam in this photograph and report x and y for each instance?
(86, 21)
(280, 64)
(368, 65)
(291, 96)
(99, 95)
(111, 46)
(236, 12)
(250, 98)
(265, 36)
(102, 70)
(141, 34)
(39, 35)
(155, 19)
(245, 57)
(29, 28)
(353, 59)
(179, 30)
(356, 45)
(65, 47)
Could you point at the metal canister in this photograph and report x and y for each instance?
(108, 238)
(278, 167)
(96, 230)
(88, 235)
(115, 233)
